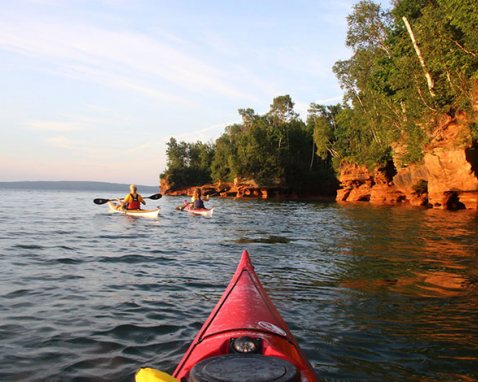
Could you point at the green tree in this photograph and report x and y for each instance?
(176, 153)
(223, 164)
(367, 28)
(188, 164)
(322, 122)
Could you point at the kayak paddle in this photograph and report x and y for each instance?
(180, 208)
(103, 201)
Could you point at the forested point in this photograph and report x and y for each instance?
(412, 65)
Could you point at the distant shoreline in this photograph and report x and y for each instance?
(73, 185)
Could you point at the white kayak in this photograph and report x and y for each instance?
(200, 211)
(188, 207)
(115, 207)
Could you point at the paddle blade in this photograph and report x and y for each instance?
(155, 196)
(185, 204)
(101, 201)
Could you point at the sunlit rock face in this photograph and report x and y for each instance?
(450, 176)
(446, 178)
(412, 181)
(451, 161)
(356, 183)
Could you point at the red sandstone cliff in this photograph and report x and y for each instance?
(239, 188)
(447, 177)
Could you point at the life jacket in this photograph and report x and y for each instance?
(134, 203)
(198, 204)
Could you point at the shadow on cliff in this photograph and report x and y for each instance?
(471, 155)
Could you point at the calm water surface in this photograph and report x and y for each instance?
(372, 294)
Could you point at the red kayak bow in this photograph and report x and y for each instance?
(244, 339)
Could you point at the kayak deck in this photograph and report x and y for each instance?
(115, 207)
(200, 211)
(245, 313)
(195, 211)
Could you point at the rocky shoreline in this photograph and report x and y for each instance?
(447, 177)
(242, 189)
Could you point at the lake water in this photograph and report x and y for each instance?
(372, 294)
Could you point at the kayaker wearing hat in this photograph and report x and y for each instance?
(133, 200)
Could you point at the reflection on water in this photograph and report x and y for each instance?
(372, 294)
(422, 253)
(412, 278)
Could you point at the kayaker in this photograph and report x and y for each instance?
(197, 202)
(133, 200)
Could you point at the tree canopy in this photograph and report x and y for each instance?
(188, 163)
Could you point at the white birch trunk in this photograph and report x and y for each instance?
(420, 57)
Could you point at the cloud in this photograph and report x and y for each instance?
(117, 80)
(91, 118)
(52, 125)
(204, 135)
(130, 59)
(49, 125)
(62, 142)
(142, 147)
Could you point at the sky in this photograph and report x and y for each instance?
(93, 90)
